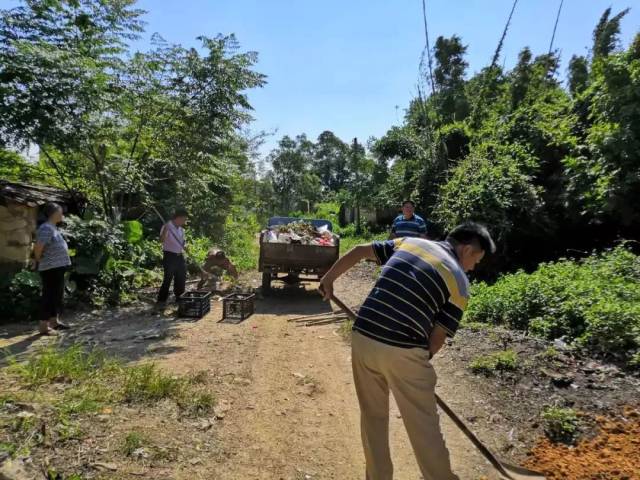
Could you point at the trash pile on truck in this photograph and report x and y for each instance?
(301, 232)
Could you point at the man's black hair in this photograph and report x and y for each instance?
(51, 208)
(180, 212)
(404, 202)
(470, 232)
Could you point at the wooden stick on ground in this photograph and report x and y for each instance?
(304, 317)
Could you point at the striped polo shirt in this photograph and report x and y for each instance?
(422, 284)
(412, 227)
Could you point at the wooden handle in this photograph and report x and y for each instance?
(350, 313)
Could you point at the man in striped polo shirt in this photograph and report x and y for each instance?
(408, 224)
(416, 302)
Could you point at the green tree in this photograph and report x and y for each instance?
(293, 179)
(158, 127)
(330, 161)
(578, 74)
(359, 185)
(449, 78)
(607, 32)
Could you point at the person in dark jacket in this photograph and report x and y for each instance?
(51, 255)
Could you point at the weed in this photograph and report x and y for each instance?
(145, 383)
(132, 442)
(67, 429)
(24, 424)
(476, 326)
(345, 329)
(52, 365)
(9, 448)
(198, 404)
(551, 353)
(505, 360)
(561, 424)
(6, 399)
(52, 474)
(199, 378)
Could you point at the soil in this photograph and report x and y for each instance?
(612, 454)
(286, 406)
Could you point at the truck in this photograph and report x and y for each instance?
(294, 262)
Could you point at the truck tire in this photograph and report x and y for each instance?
(266, 283)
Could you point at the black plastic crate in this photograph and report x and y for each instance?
(194, 304)
(237, 306)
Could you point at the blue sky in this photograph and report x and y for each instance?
(345, 65)
(351, 66)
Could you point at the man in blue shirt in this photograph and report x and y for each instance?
(408, 224)
(417, 301)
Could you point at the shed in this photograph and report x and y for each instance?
(20, 213)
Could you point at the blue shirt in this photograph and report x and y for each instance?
(55, 253)
(421, 285)
(413, 227)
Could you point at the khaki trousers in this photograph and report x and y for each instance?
(378, 368)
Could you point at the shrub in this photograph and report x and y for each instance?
(561, 424)
(594, 303)
(112, 260)
(492, 187)
(240, 239)
(506, 360)
(19, 296)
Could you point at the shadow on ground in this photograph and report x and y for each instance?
(139, 332)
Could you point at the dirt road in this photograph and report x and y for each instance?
(286, 408)
(292, 410)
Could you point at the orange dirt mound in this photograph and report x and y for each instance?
(614, 454)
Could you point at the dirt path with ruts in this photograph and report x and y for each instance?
(292, 409)
(286, 404)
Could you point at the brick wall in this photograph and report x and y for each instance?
(17, 227)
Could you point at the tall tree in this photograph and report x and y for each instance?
(578, 74)
(330, 162)
(292, 176)
(605, 35)
(361, 168)
(161, 126)
(449, 78)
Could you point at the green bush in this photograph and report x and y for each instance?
(594, 303)
(560, 424)
(506, 360)
(490, 186)
(240, 240)
(19, 296)
(114, 260)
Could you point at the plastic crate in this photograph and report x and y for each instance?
(238, 306)
(194, 304)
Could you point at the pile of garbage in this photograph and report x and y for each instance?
(301, 232)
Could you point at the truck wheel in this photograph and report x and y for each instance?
(266, 283)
